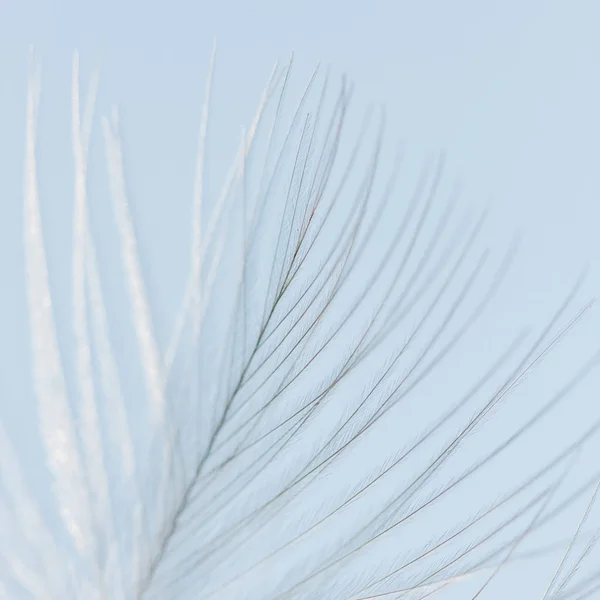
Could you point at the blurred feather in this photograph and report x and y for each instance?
(281, 457)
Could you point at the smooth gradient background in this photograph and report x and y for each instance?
(509, 89)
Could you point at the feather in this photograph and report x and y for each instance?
(284, 455)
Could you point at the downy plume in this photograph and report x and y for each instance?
(297, 436)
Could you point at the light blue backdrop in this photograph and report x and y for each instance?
(510, 89)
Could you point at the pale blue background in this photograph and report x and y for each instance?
(511, 89)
